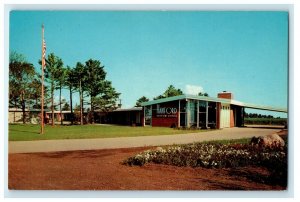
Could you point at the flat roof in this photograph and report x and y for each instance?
(26, 110)
(129, 109)
(220, 100)
(56, 111)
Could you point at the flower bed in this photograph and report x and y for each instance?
(213, 155)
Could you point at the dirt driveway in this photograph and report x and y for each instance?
(102, 170)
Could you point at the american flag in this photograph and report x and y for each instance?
(44, 52)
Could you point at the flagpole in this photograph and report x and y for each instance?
(42, 96)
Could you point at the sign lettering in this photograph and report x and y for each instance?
(167, 112)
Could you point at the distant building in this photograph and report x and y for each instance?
(15, 115)
(64, 115)
(132, 116)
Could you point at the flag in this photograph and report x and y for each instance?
(43, 52)
(43, 49)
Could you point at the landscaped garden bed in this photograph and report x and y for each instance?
(217, 155)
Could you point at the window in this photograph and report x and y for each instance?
(182, 106)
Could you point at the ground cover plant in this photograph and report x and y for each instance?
(25, 132)
(218, 155)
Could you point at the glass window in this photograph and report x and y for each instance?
(182, 106)
(202, 106)
(193, 113)
(148, 115)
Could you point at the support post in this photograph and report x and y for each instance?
(218, 115)
(243, 116)
(144, 116)
(198, 104)
(206, 115)
(151, 115)
(187, 118)
(178, 114)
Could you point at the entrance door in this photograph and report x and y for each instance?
(225, 116)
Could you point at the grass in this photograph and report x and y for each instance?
(266, 121)
(230, 141)
(26, 132)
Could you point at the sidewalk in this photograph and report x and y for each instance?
(127, 142)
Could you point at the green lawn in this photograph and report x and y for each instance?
(266, 121)
(230, 141)
(20, 132)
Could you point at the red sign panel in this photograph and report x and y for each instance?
(166, 110)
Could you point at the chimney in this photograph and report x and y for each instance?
(225, 95)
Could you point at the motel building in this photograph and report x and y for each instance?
(186, 111)
(199, 111)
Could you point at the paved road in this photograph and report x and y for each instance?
(127, 142)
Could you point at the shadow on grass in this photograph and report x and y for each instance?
(25, 131)
(77, 154)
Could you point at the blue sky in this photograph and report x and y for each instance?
(144, 52)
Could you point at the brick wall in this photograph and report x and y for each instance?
(165, 122)
(225, 95)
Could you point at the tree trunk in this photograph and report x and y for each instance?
(92, 110)
(71, 107)
(61, 116)
(52, 102)
(15, 112)
(23, 106)
(24, 114)
(81, 103)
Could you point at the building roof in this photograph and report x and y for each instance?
(56, 111)
(211, 99)
(129, 110)
(20, 110)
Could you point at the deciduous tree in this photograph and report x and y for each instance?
(21, 74)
